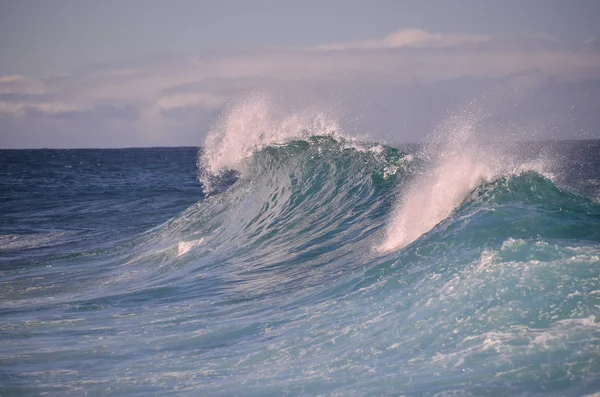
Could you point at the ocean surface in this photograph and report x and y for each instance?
(301, 264)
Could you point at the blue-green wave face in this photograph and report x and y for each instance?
(314, 266)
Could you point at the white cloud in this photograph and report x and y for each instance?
(158, 85)
(409, 38)
(17, 84)
(20, 108)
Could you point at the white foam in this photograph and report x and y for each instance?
(459, 162)
(459, 166)
(184, 246)
(29, 241)
(255, 123)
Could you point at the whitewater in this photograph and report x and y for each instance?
(287, 256)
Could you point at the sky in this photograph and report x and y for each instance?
(83, 73)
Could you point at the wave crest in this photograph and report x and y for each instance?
(459, 162)
(253, 124)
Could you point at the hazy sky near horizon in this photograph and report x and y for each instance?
(83, 73)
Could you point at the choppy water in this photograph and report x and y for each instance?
(301, 264)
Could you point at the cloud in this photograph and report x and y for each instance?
(170, 99)
(17, 84)
(21, 108)
(189, 100)
(409, 38)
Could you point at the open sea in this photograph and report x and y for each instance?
(309, 265)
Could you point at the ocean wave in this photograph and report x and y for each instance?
(317, 264)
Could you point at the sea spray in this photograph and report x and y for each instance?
(252, 124)
(460, 157)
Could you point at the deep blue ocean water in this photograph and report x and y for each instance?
(319, 267)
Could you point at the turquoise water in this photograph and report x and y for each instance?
(315, 266)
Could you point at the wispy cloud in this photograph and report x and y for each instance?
(20, 108)
(409, 38)
(17, 84)
(160, 86)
